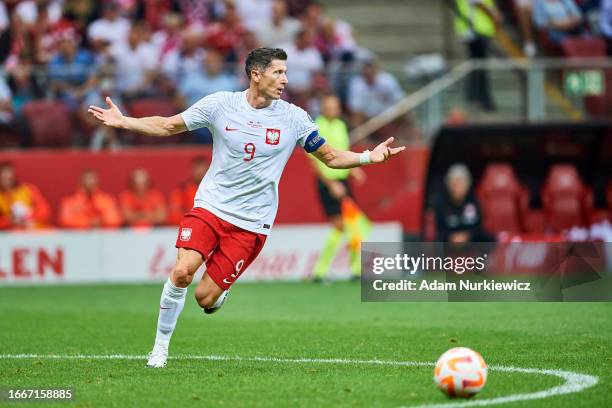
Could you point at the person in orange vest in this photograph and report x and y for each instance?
(89, 207)
(22, 205)
(181, 199)
(141, 205)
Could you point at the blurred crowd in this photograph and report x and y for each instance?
(546, 23)
(80, 51)
(24, 207)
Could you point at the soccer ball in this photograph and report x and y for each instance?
(460, 372)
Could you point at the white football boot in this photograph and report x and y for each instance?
(217, 305)
(158, 356)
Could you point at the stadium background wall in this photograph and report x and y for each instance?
(392, 192)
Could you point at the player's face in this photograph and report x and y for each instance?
(273, 80)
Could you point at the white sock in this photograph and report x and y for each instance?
(170, 307)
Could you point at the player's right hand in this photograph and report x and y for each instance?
(109, 117)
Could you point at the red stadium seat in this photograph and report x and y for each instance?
(567, 201)
(154, 107)
(49, 123)
(9, 138)
(583, 47)
(503, 199)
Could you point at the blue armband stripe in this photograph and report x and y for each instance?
(313, 142)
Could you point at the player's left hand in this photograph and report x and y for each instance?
(383, 151)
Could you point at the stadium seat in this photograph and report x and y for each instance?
(567, 201)
(9, 138)
(49, 123)
(503, 199)
(154, 107)
(583, 47)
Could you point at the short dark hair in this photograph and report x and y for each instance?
(260, 58)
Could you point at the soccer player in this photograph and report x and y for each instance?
(334, 190)
(254, 134)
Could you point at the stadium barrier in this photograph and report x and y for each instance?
(392, 192)
(148, 255)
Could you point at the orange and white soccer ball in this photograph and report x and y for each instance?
(460, 372)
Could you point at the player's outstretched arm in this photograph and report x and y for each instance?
(150, 126)
(344, 159)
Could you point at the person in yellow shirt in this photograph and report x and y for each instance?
(476, 23)
(22, 205)
(335, 193)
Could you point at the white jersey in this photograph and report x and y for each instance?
(250, 149)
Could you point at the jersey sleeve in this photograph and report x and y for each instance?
(306, 130)
(203, 112)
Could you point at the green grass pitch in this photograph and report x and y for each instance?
(292, 321)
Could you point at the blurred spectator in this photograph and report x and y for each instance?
(22, 206)
(303, 60)
(169, 37)
(458, 215)
(212, 78)
(6, 103)
(280, 30)
(30, 12)
(320, 89)
(69, 70)
(560, 18)
(298, 7)
(181, 199)
(226, 36)
(102, 137)
(135, 61)
(605, 22)
(335, 40)
(255, 12)
(24, 87)
(108, 30)
(141, 205)
(155, 12)
(524, 13)
(475, 23)
(371, 93)
(187, 58)
(80, 13)
(312, 16)
(197, 13)
(4, 17)
(334, 189)
(89, 207)
(5, 33)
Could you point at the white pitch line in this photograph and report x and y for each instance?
(574, 382)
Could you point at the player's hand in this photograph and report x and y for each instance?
(383, 151)
(109, 117)
(337, 190)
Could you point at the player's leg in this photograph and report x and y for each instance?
(237, 250)
(172, 302)
(330, 247)
(332, 208)
(196, 239)
(209, 295)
